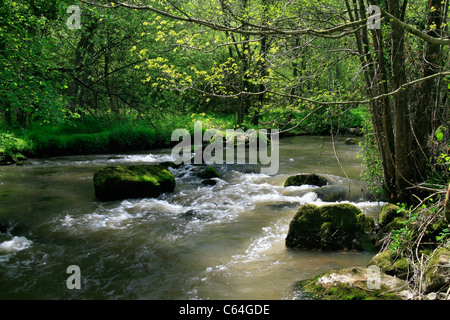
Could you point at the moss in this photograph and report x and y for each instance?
(388, 213)
(365, 223)
(392, 264)
(383, 260)
(401, 265)
(355, 289)
(132, 181)
(437, 272)
(209, 173)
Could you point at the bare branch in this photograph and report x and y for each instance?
(244, 28)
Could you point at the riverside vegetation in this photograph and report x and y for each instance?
(125, 81)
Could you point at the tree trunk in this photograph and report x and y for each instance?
(402, 134)
(423, 117)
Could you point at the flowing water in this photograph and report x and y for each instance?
(200, 242)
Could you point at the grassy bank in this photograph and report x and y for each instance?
(113, 134)
(99, 135)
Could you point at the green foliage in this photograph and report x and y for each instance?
(444, 237)
(439, 164)
(423, 227)
(13, 147)
(403, 235)
(30, 84)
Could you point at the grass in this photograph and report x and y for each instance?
(100, 135)
(112, 134)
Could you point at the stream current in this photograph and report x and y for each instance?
(200, 242)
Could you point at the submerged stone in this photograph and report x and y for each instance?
(132, 181)
(170, 164)
(333, 193)
(209, 182)
(329, 227)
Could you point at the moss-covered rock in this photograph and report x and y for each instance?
(391, 264)
(329, 227)
(310, 179)
(397, 224)
(132, 181)
(209, 173)
(355, 284)
(437, 272)
(388, 213)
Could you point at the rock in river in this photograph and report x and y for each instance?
(132, 181)
(310, 179)
(209, 172)
(329, 227)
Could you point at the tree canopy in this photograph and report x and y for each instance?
(275, 62)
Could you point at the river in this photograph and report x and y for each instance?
(200, 242)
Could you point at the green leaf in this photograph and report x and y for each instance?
(439, 134)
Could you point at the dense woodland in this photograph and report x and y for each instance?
(121, 76)
(135, 70)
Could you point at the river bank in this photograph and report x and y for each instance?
(127, 134)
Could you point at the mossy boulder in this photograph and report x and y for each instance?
(355, 284)
(329, 227)
(437, 271)
(132, 181)
(391, 264)
(209, 173)
(388, 213)
(309, 179)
